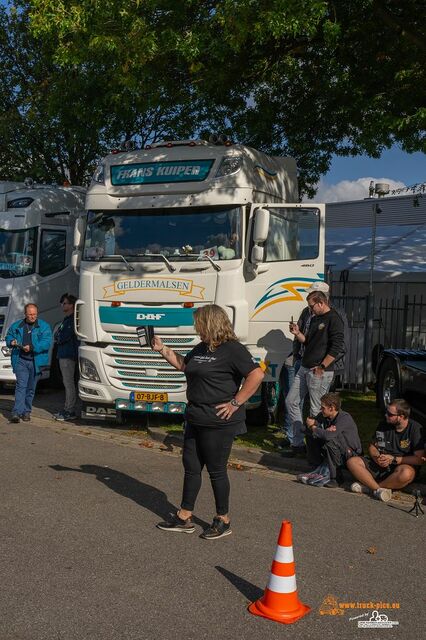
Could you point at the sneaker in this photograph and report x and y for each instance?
(177, 524)
(15, 419)
(305, 477)
(218, 529)
(382, 494)
(63, 416)
(357, 487)
(320, 481)
(26, 417)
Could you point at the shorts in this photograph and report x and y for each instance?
(379, 473)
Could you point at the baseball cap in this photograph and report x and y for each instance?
(319, 285)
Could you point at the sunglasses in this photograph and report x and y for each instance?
(393, 415)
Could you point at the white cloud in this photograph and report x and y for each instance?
(350, 189)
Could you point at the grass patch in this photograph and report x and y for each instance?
(362, 408)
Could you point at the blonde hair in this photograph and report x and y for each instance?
(212, 322)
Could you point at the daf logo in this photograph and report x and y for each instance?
(150, 316)
(107, 411)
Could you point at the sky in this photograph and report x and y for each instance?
(349, 178)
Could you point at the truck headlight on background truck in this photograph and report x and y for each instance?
(99, 175)
(229, 166)
(88, 370)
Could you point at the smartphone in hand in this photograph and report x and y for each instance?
(145, 335)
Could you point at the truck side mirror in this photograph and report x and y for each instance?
(257, 254)
(79, 229)
(260, 234)
(75, 260)
(261, 226)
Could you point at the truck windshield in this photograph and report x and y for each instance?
(17, 252)
(177, 234)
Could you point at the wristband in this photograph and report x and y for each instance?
(322, 366)
(162, 349)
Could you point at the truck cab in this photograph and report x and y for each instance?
(174, 227)
(36, 242)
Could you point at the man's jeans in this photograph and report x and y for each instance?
(287, 375)
(26, 382)
(67, 366)
(306, 382)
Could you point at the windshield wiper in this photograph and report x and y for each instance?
(117, 255)
(203, 256)
(170, 267)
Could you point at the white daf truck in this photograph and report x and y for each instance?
(36, 242)
(174, 227)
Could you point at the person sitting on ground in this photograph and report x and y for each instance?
(395, 454)
(331, 439)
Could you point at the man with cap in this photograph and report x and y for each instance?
(319, 338)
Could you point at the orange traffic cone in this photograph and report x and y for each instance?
(280, 601)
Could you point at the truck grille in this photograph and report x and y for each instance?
(130, 366)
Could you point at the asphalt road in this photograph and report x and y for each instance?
(81, 557)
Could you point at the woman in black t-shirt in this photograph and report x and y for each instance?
(215, 413)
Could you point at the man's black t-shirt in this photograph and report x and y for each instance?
(214, 377)
(399, 443)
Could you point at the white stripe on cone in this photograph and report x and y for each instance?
(282, 584)
(284, 554)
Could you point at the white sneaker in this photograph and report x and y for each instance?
(383, 494)
(357, 487)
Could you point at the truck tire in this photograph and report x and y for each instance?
(388, 383)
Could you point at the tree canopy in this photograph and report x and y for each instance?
(307, 78)
(58, 118)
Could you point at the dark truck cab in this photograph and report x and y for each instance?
(401, 373)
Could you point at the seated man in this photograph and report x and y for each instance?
(331, 439)
(395, 454)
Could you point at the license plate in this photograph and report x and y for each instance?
(148, 396)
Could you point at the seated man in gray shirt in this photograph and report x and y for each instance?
(331, 439)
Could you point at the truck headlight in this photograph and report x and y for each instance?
(99, 175)
(88, 370)
(229, 166)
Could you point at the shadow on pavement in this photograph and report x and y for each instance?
(248, 589)
(144, 495)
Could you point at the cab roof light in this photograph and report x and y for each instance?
(220, 139)
(176, 143)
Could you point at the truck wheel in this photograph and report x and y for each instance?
(388, 384)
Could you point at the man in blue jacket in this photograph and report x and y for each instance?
(30, 340)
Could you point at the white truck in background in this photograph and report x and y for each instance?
(36, 242)
(173, 227)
